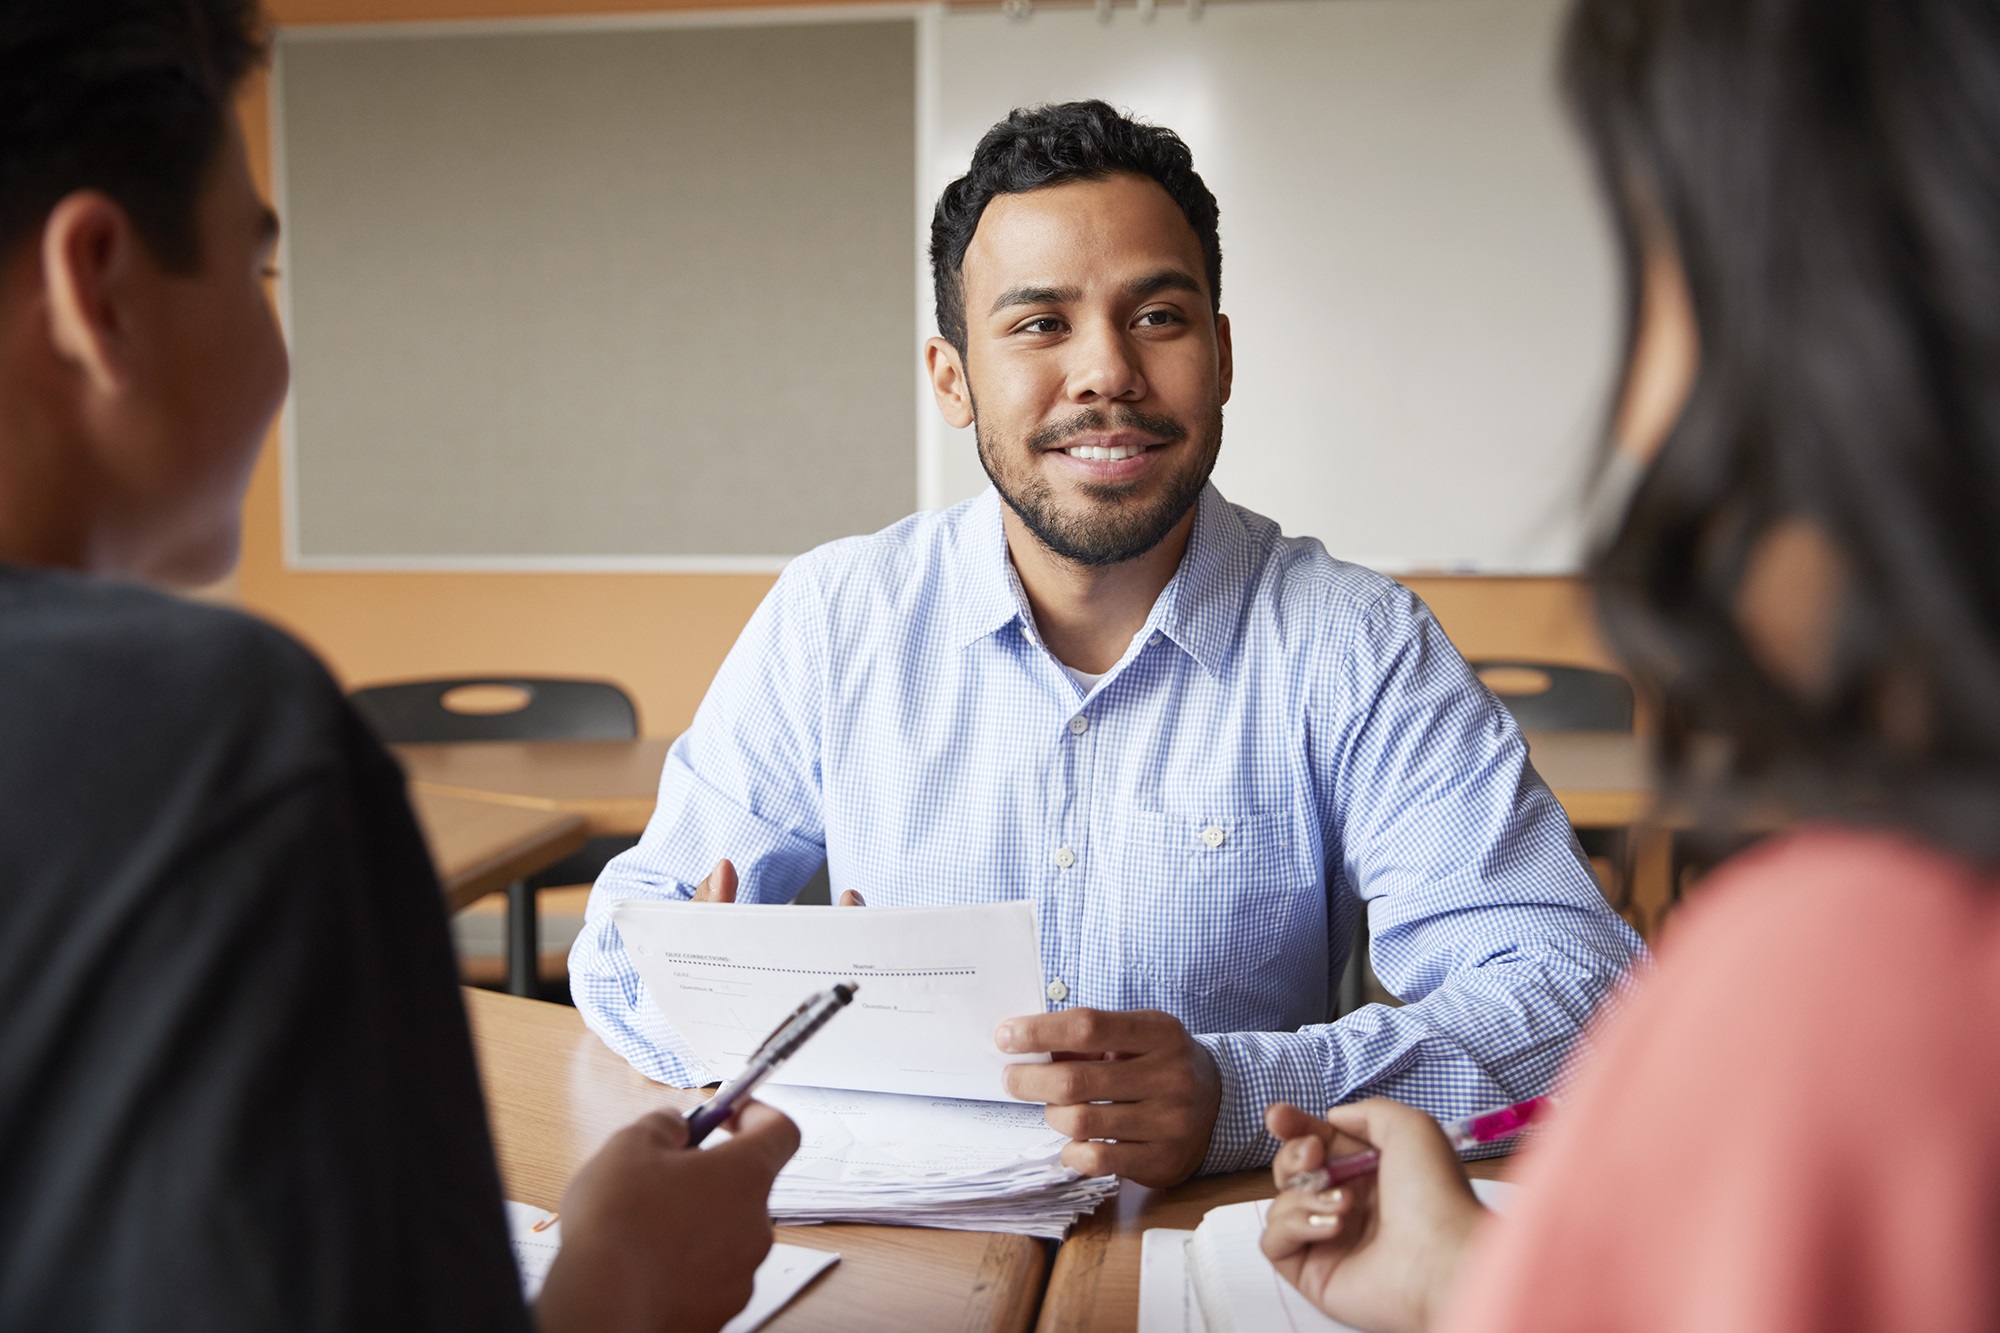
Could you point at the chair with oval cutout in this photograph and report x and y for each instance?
(511, 708)
(498, 708)
(1544, 696)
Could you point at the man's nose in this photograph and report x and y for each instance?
(1104, 366)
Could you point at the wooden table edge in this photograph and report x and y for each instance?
(498, 871)
(603, 816)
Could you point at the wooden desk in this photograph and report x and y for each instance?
(612, 784)
(481, 846)
(1094, 1286)
(555, 1093)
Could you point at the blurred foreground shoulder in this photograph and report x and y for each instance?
(1788, 1126)
(99, 674)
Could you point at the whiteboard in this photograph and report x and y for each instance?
(1420, 279)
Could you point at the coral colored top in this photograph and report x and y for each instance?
(1793, 1124)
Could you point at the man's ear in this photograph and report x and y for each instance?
(91, 257)
(948, 383)
(1225, 356)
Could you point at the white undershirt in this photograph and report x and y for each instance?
(1083, 678)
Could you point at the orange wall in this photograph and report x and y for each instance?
(660, 635)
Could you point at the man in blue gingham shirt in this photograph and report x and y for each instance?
(1198, 746)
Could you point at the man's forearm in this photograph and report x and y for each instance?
(1486, 1037)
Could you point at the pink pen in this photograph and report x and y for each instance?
(1471, 1132)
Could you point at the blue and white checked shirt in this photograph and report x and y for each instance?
(1288, 738)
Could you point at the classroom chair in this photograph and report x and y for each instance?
(1543, 696)
(515, 708)
(512, 708)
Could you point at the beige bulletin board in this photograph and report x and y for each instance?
(626, 296)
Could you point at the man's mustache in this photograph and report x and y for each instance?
(1090, 419)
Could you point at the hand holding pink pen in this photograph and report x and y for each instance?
(1471, 1132)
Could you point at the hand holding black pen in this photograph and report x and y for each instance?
(657, 1234)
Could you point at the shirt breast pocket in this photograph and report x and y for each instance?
(1205, 900)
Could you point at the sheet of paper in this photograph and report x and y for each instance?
(934, 983)
(1238, 1289)
(537, 1237)
(784, 1273)
(1167, 1302)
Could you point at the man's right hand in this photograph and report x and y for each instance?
(659, 1236)
(720, 887)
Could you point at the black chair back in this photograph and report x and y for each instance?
(1544, 697)
(419, 712)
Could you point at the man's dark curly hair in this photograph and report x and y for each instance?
(1048, 145)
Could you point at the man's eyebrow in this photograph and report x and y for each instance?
(1166, 280)
(1014, 296)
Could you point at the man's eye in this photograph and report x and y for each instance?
(1156, 318)
(1046, 324)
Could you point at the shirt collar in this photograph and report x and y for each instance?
(1199, 609)
(1202, 604)
(989, 596)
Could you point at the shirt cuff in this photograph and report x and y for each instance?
(1259, 1068)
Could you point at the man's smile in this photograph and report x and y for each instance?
(1103, 452)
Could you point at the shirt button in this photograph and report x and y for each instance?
(1065, 857)
(1213, 835)
(1078, 725)
(1154, 639)
(1058, 992)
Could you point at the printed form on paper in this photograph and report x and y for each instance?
(934, 983)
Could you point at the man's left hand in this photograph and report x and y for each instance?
(1137, 1095)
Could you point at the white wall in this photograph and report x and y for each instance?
(1413, 259)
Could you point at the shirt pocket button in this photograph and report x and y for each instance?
(1213, 836)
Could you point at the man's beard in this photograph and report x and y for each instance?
(1128, 531)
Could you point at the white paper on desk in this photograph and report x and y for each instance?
(934, 983)
(534, 1250)
(784, 1273)
(1167, 1303)
(1238, 1288)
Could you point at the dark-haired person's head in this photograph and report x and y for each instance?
(1809, 198)
(140, 362)
(1078, 276)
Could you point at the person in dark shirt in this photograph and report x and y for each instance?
(237, 1087)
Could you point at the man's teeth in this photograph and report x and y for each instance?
(1098, 453)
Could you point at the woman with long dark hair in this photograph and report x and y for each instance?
(1794, 1122)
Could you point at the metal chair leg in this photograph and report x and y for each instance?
(524, 945)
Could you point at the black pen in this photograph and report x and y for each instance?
(807, 1019)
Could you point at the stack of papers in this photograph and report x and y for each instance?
(1215, 1279)
(928, 1162)
(901, 1103)
(784, 1273)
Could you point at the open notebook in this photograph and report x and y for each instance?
(784, 1273)
(1215, 1279)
